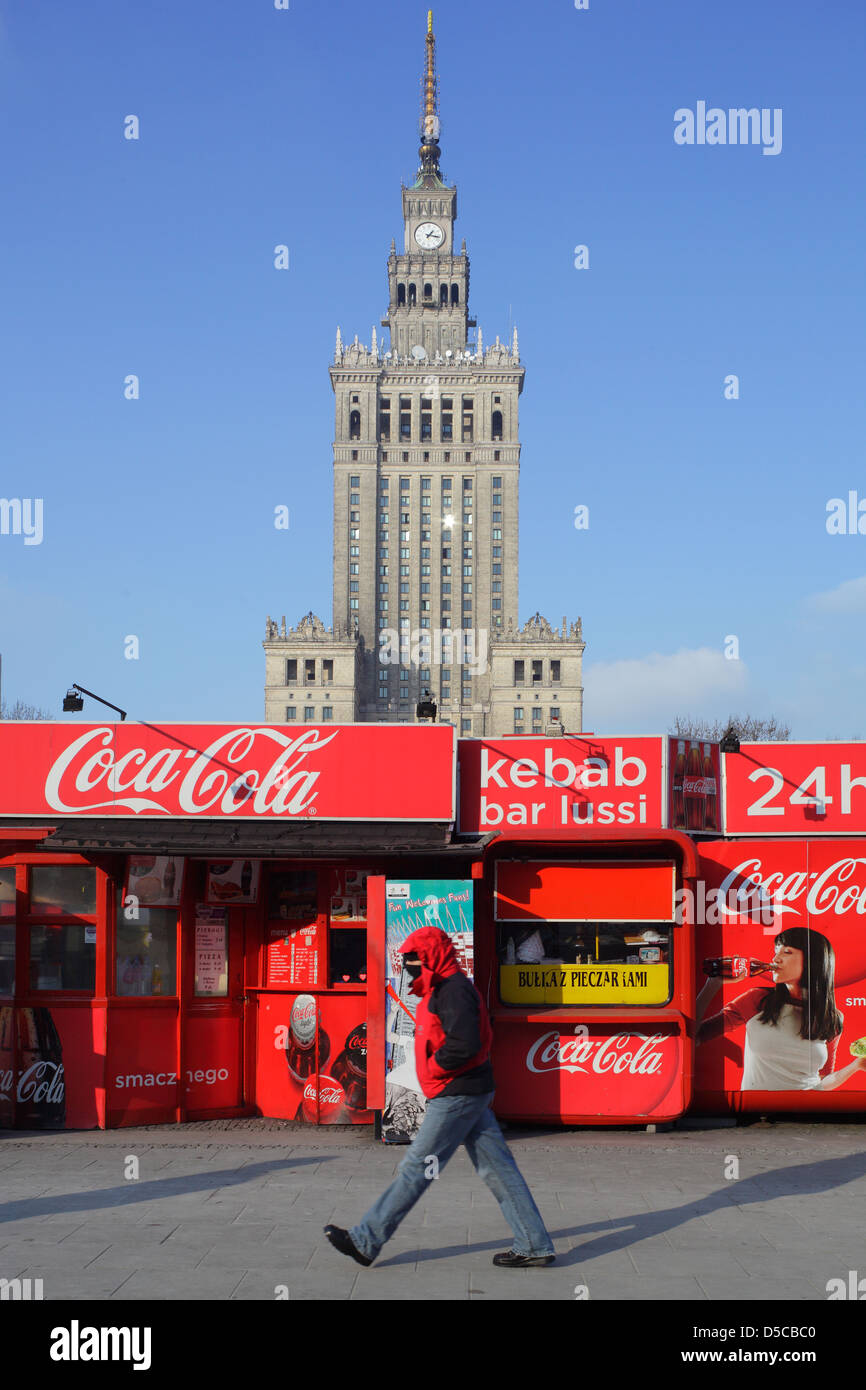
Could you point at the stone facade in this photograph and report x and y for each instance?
(426, 469)
(312, 673)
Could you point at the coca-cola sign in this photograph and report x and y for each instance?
(343, 772)
(617, 1053)
(588, 1071)
(765, 886)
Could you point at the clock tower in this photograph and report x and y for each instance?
(426, 473)
(428, 285)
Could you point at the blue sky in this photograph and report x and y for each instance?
(260, 127)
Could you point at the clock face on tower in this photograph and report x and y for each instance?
(429, 235)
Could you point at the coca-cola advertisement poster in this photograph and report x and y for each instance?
(51, 1066)
(337, 772)
(804, 789)
(311, 1058)
(561, 783)
(781, 966)
(234, 881)
(694, 786)
(409, 905)
(154, 880)
(580, 1072)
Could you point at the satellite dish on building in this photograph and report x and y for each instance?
(387, 357)
(419, 353)
(448, 352)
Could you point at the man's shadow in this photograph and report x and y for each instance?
(618, 1233)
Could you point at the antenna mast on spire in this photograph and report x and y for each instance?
(430, 150)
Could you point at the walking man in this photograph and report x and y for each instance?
(452, 1059)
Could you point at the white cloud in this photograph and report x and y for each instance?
(645, 694)
(849, 597)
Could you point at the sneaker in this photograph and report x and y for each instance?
(342, 1241)
(511, 1260)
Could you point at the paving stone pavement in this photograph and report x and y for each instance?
(234, 1210)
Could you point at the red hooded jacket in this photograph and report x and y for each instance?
(452, 1029)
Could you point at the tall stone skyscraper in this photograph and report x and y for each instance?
(426, 466)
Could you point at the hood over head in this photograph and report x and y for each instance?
(433, 948)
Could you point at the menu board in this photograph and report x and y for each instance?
(211, 951)
(293, 954)
(155, 880)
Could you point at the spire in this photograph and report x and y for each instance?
(515, 352)
(430, 150)
(338, 355)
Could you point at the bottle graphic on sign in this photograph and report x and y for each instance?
(168, 879)
(711, 806)
(41, 1089)
(350, 1068)
(735, 967)
(693, 790)
(301, 1047)
(679, 810)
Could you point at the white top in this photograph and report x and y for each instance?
(776, 1058)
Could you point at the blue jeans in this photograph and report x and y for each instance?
(450, 1121)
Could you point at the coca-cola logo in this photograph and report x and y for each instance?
(634, 1053)
(328, 1095)
(766, 889)
(356, 1042)
(303, 1021)
(42, 1083)
(326, 1105)
(699, 786)
(822, 891)
(89, 775)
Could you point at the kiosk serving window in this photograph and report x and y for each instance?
(145, 949)
(584, 933)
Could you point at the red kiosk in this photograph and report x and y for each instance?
(192, 920)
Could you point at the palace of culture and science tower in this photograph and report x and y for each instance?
(426, 465)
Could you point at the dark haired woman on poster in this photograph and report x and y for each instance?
(792, 1028)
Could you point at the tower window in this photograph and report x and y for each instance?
(519, 668)
(309, 671)
(355, 480)
(327, 672)
(555, 671)
(443, 295)
(455, 294)
(413, 295)
(355, 424)
(428, 291)
(536, 673)
(497, 424)
(467, 418)
(291, 670)
(401, 294)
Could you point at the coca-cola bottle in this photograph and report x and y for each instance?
(693, 790)
(735, 967)
(679, 810)
(711, 805)
(350, 1068)
(41, 1091)
(324, 1105)
(301, 1046)
(7, 1064)
(246, 878)
(168, 879)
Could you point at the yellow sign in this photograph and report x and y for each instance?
(584, 984)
